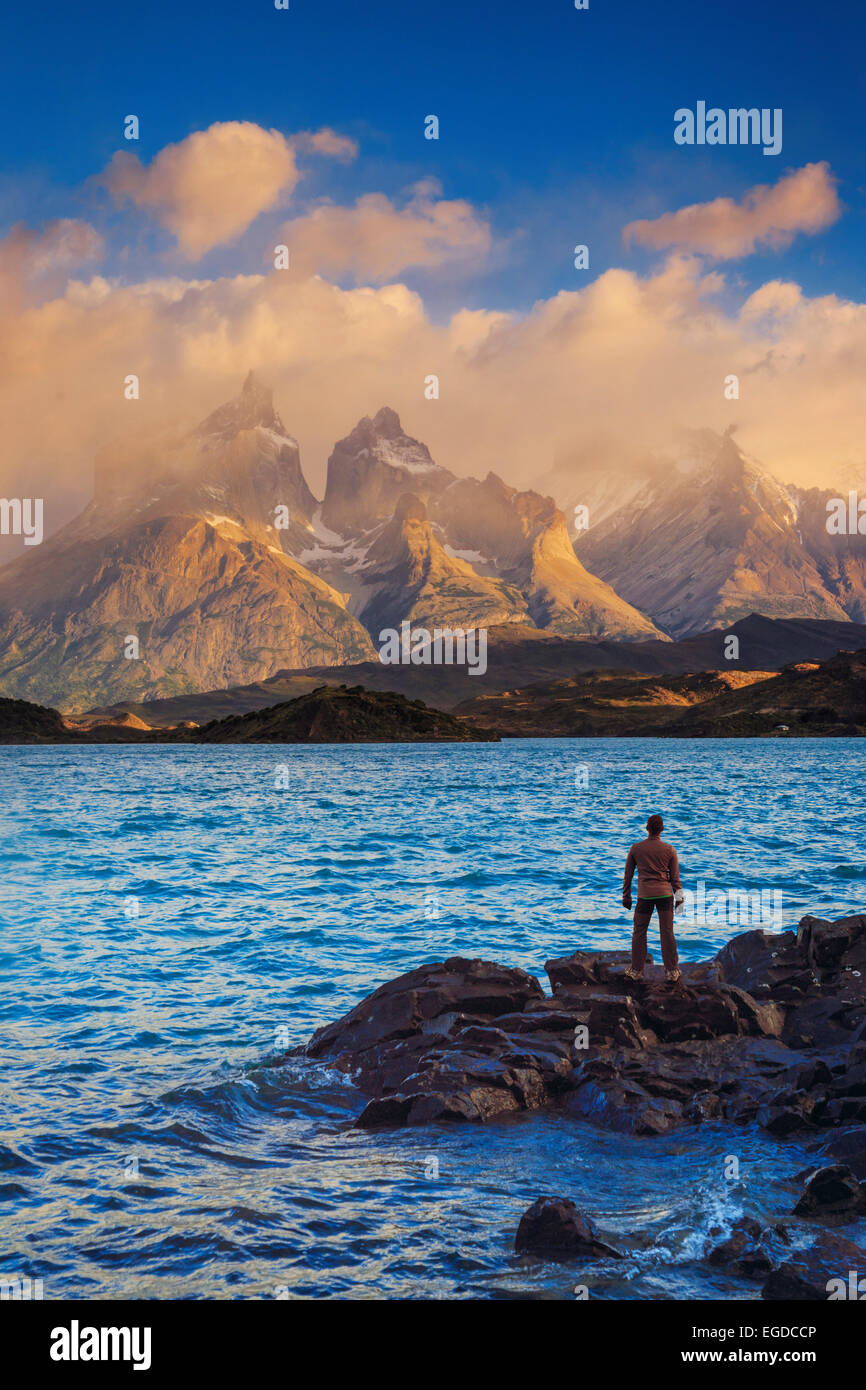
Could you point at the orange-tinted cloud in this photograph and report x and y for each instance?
(208, 188)
(804, 201)
(47, 255)
(326, 142)
(375, 240)
(610, 369)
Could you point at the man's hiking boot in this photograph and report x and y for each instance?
(632, 974)
(672, 976)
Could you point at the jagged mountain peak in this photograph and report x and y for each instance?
(253, 407)
(238, 465)
(371, 468)
(493, 480)
(714, 534)
(385, 438)
(387, 422)
(244, 464)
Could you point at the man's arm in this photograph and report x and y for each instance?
(674, 870)
(630, 866)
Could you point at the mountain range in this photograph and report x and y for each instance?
(204, 562)
(699, 540)
(517, 657)
(211, 551)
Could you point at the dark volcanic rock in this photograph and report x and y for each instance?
(757, 961)
(768, 1018)
(430, 996)
(826, 944)
(426, 1047)
(626, 1107)
(849, 1147)
(701, 1011)
(587, 968)
(750, 1250)
(832, 1191)
(820, 1274)
(471, 1040)
(554, 1229)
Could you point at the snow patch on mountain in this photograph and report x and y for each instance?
(410, 457)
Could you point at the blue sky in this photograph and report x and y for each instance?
(554, 121)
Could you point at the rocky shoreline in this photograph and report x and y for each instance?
(771, 1031)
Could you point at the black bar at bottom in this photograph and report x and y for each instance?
(160, 1339)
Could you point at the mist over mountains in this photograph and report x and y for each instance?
(211, 550)
(699, 541)
(182, 547)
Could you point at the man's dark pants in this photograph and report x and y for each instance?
(642, 914)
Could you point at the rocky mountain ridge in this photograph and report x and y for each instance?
(401, 534)
(204, 561)
(703, 540)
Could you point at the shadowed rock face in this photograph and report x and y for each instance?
(832, 1191)
(750, 1250)
(554, 1229)
(815, 1275)
(471, 1040)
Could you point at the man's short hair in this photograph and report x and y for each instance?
(655, 825)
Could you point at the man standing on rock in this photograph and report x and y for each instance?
(658, 879)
